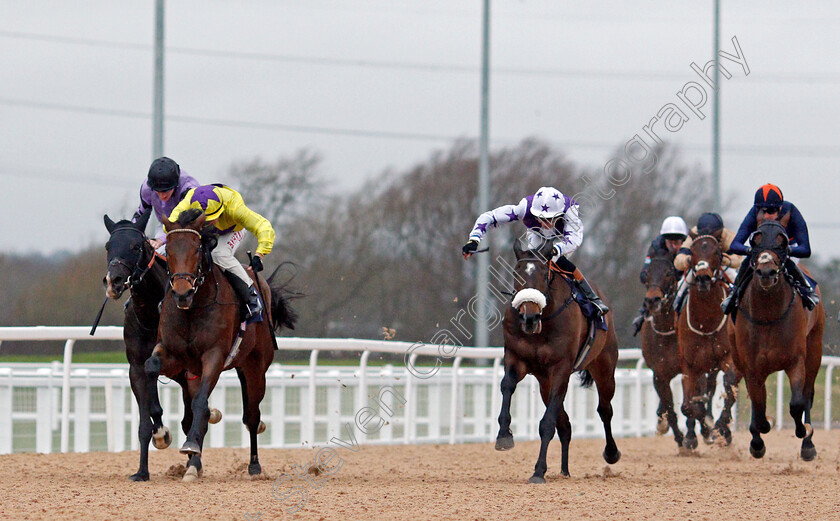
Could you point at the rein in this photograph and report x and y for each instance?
(774, 321)
(661, 333)
(695, 330)
(195, 280)
(549, 278)
(137, 271)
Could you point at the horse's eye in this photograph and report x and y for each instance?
(136, 247)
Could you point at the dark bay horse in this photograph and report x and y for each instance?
(774, 332)
(544, 330)
(199, 326)
(703, 340)
(133, 265)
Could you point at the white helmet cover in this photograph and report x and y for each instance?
(548, 203)
(674, 225)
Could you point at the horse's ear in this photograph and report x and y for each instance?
(167, 225)
(517, 248)
(109, 224)
(782, 241)
(755, 239)
(200, 221)
(546, 250)
(143, 220)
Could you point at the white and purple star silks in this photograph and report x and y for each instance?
(568, 227)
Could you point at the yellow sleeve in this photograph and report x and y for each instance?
(181, 207)
(251, 221)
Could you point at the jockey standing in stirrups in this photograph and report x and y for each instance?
(163, 189)
(228, 216)
(672, 233)
(770, 205)
(548, 215)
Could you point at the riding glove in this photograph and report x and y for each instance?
(256, 264)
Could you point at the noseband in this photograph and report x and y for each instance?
(193, 279)
(718, 273)
(138, 271)
(549, 277)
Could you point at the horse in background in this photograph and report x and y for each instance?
(772, 333)
(133, 265)
(200, 333)
(703, 339)
(544, 332)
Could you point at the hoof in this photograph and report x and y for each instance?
(162, 438)
(260, 428)
(690, 443)
(710, 439)
(254, 469)
(662, 426)
(215, 416)
(709, 422)
(808, 453)
(191, 448)
(140, 476)
(190, 475)
(614, 458)
(758, 453)
(504, 443)
(536, 480)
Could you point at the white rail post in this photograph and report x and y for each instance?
(637, 407)
(65, 396)
(109, 415)
(6, 386)
(410, 407)
(453, 401)
(495, 394)
(309, 424)
(118, 408)
(828, 373)
(218, 399)
(780, 399)
(81, 414)
(278, 408)
(43, 408)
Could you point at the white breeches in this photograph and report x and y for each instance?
(223, 255)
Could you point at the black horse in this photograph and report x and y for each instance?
(133, 265)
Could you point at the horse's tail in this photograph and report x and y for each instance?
(281, 296)
(586, 379)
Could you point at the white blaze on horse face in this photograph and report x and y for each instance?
(765, 257)
(530, 268)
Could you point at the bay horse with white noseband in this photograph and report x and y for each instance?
(544, 331)
(704, 344)
(199, 327)
(773, 332)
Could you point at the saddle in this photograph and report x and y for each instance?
(593, 319)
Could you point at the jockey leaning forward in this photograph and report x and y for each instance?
(548, 215)
(164, 187)
(672, 233)
(228, 216)
(770, 205)
(707, 224)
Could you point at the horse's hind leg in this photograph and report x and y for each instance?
(707, 421)
(812, 367)
(138, 379)
(796, 376)
(759, 424)
(689, 409)
(603, 372)
(514, 373)
(666, 412)
(558, 382)
(252, 380)
(730, 385)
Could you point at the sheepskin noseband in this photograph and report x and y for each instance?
(528, 295)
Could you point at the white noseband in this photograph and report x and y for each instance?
(529, 295)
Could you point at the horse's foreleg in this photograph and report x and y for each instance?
(138, 379)
(252, 381)
(759, 424)
(704, 406)
(513, 375)
(730, 386)
(549, 423)
(160, 433)
(689, 410)
(796, 377)
(666, 414)
(212, 362)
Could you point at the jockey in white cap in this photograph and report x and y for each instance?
(548, 215)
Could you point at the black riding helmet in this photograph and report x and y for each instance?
(709, 223)
(163, 174)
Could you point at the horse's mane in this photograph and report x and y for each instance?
(189, 216)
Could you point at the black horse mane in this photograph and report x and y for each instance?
(189, 216)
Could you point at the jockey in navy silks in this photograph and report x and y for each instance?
(548, 215)
(770, 205)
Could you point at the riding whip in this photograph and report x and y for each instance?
(98, 316)
(259, 292)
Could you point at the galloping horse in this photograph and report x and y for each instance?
(199, 329)
(133, 265)
(774, 333)
(703, 340)
(544, 332)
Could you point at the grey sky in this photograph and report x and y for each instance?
(248, 78)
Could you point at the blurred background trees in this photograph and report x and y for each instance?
(388, 254)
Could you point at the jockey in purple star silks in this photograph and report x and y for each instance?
(548, 215)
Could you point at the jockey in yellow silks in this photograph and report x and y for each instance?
(228, 216)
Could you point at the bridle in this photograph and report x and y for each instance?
(718, 274)
(549, 279)
(139, 270)
(667, 293)
(193, 279)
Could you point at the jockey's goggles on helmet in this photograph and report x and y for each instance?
(771, 208)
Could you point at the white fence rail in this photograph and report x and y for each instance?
(83, 407)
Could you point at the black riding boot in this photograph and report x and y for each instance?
(590, 295)
(810, 299)
(731, 300)
(251, 308)
(638, 321)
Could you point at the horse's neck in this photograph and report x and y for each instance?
(664, 320)
(704, 307)
(767, 304)
(147, 294)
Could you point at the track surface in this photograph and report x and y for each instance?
(458, 482)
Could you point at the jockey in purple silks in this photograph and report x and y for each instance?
(164, 188)
(548, 215)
